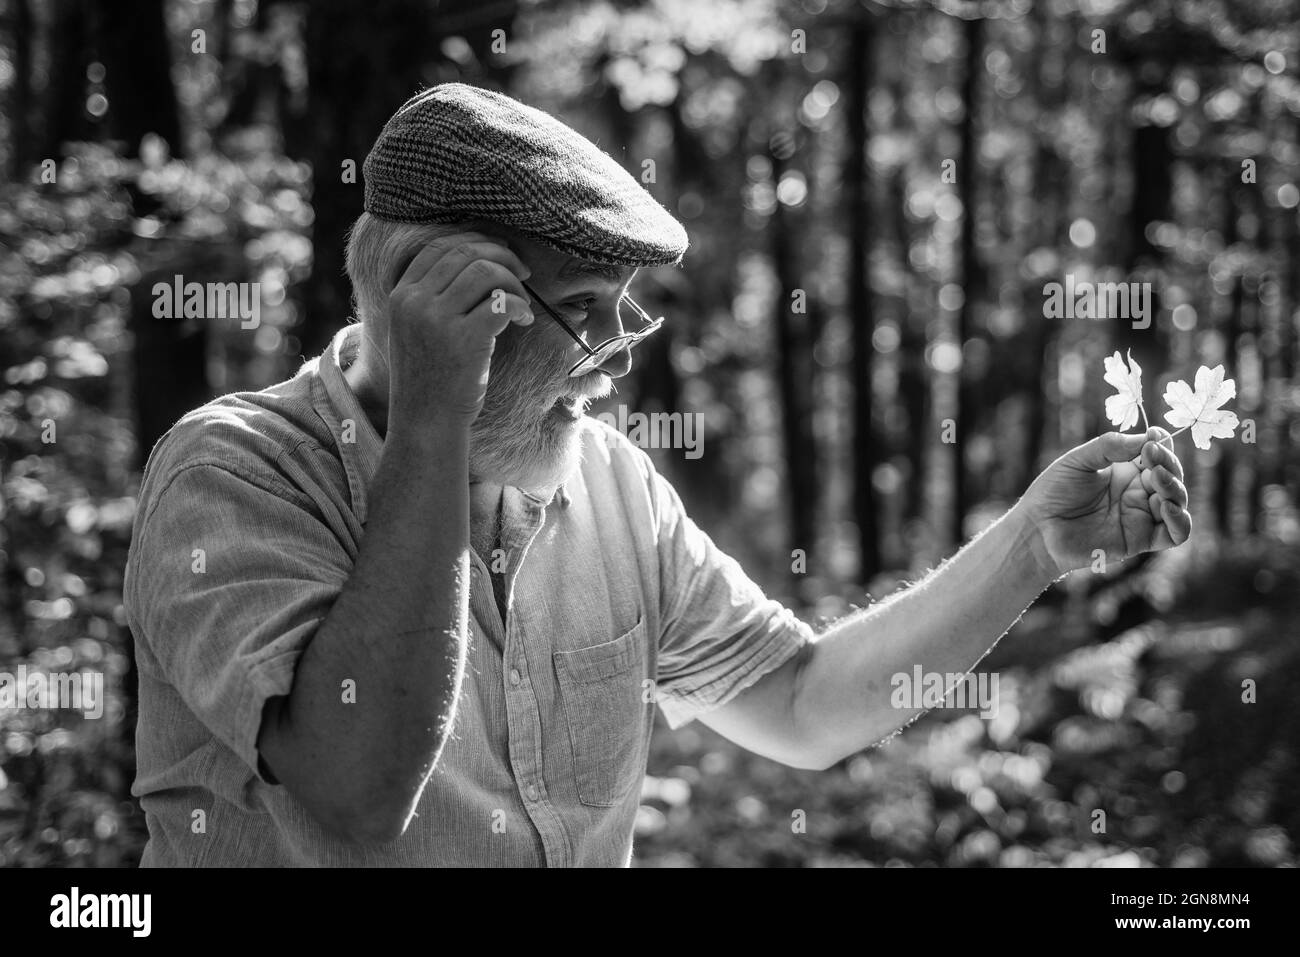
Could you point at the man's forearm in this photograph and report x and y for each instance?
(946, 623)
(398, 631)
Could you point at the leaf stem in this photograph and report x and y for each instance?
(1172, 436)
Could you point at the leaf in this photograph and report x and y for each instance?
(1200, 408)
(1122, 409)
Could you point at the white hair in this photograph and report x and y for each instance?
(378, 251)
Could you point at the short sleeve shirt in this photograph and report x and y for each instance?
(252, 512)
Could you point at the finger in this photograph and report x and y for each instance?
(1148, 480)
(444, 272)
(496, 314)
(413, 266)
(1160, 538)
(1178, 521)
(1106, 450)
(519, 310)
(1154, 503)
(1169, 487)
(1154, 454)
(1169, 459)
(477, 281)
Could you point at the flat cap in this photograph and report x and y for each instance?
(457, 152)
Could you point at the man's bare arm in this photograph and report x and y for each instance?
(834, 698)
(399, 628)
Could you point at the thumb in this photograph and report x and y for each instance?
(1107, 449)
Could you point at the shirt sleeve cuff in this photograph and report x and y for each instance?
(271, 678)
(681, 708)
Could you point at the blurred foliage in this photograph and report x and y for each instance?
(72, 256)
(1148, 728)
(1121, 692)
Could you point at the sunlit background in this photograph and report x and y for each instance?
(843, 299)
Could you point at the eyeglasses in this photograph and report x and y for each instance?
(598, 355)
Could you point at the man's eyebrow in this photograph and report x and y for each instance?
(581, 269)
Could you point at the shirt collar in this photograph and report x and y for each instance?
(358, 442)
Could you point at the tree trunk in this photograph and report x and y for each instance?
(857, 196)
(914, 375)
(972, 275)
(1226, 450)
(131, 41)
(62, 116)
(22, 138)
(794, 383)
(1038, 331)
(246, 81)
(1152, 157)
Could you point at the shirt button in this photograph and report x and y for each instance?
(533, 793)
(514, 676)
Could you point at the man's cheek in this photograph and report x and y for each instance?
(545, 338)
(527, 346)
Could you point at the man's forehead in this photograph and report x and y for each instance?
(561, 267)
(575, 268)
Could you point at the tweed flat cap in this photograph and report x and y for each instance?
(457, 152)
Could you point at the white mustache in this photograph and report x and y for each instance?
(591, 395)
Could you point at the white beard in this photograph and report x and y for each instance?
(519, 437)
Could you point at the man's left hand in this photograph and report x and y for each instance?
(1096, 496)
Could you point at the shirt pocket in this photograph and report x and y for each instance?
(600, 688)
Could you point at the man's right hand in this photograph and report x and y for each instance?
(456, 296)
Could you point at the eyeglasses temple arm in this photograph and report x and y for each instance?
(556, 316)
(644, 316)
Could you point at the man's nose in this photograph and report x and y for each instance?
(617, 365)
(610, 324)
(620, 363)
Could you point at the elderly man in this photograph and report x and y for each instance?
(412, 607)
